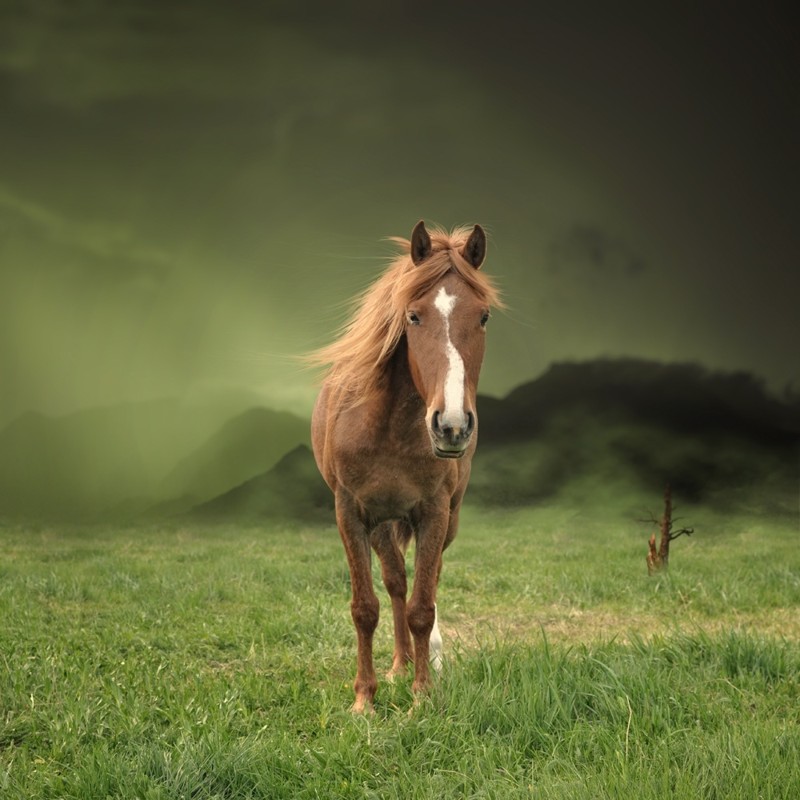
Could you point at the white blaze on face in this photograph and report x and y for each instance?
(454, 382)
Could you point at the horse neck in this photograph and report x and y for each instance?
(399, 395)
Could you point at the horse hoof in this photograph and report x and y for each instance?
(396, 672)
(362, 705)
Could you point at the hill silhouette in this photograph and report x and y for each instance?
(623, 425)
(245, 446)
(110, 462)
(592, 432)
(292, 489)
(684, 397)
(77, 465)
(605, 431)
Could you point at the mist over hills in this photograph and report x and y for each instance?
(241, 449)
(598, 432)
(605, 431)
(292, 489)
(115, 462)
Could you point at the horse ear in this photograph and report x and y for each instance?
(475, 249)
(420, 243)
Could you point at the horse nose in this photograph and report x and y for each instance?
(455, 436)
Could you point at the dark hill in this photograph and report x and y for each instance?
(587, 430)
(105, 463)
(611, 426)
(242, 448)
(594, 433)
(78, 465)
(292, 489)
(685, 398)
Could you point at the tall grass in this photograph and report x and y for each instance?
(168, 663)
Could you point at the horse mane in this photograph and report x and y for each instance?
(358, 358)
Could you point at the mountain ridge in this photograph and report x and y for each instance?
(622, 426)
(93, 463)
(640, 421)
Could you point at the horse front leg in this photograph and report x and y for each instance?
(436, 645)
(389, 543)
(364, 606)
(421, 611)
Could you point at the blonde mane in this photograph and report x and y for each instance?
(358, 358)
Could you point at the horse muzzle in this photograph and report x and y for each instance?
(451, 440)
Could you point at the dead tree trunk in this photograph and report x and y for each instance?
(658, 560)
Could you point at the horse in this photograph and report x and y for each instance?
(394, 429)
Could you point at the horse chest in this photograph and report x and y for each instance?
(389, 487)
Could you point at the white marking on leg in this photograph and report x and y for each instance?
(436, 643)
(454, 382)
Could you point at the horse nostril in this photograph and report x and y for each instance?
(454, 435)
(470, 425)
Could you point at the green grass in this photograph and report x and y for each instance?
(217, 663)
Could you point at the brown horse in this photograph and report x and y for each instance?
(394, 430)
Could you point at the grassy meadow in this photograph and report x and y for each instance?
(183, 661)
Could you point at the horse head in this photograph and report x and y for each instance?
(445, 333)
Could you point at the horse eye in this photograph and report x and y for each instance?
(413, 318)
(484, 319)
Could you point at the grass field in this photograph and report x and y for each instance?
(191, 662)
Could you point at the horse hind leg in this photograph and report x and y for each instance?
(390, 541)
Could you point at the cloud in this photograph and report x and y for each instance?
(98, 242)
(91, 52)
(589, 251)
(79, 53)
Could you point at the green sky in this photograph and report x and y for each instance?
(190, 193)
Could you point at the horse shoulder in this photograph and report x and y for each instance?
(321, 434)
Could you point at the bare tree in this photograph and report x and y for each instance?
(658, 559)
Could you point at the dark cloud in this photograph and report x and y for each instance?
(587, 250)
